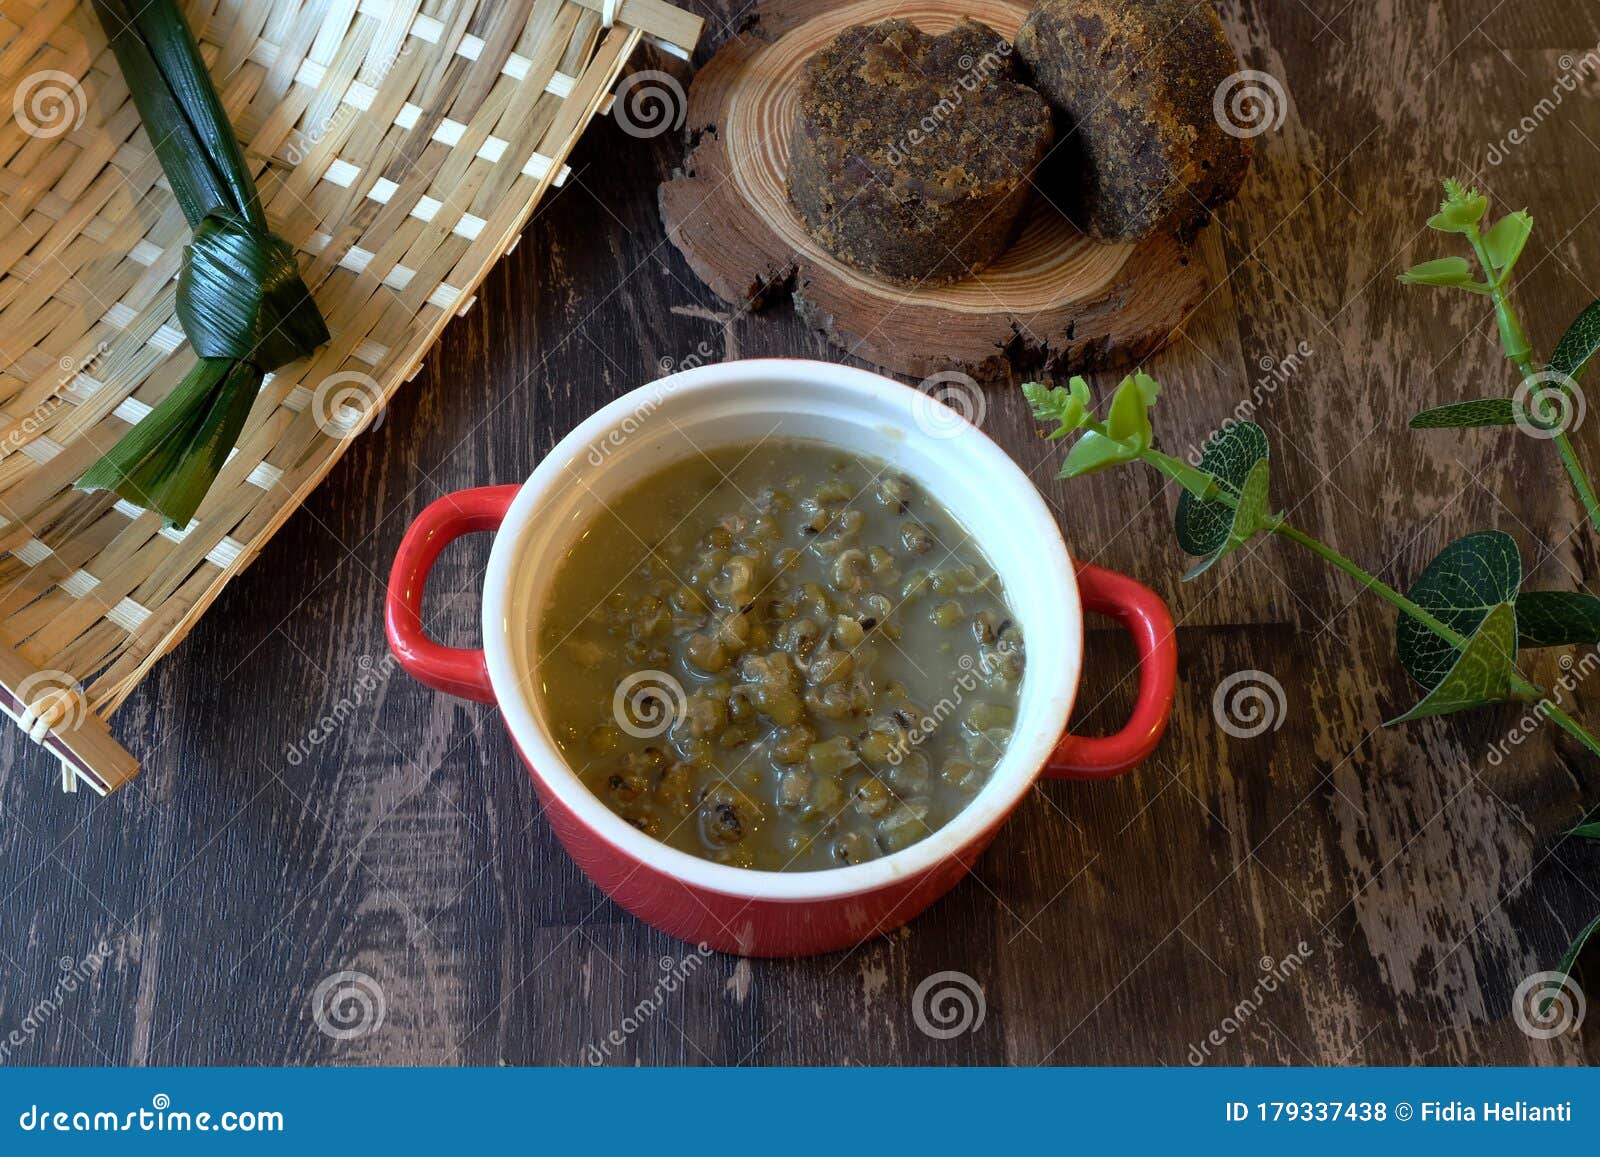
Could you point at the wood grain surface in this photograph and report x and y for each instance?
(307, 813)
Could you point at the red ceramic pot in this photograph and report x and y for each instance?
(740, 910)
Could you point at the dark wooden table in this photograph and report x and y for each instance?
(1402, 881)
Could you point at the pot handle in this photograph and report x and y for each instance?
(1146, 617)
(456, 670)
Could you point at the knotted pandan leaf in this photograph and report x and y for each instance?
(1237, 456)
(240, 295)
(240, 298)
(1557, 618)
(1470, 587)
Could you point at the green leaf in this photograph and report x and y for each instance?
(1586, 831)
(1441, 271)
(1579, 343)
(168, 461)
(1149, 388)
(1569, 959)
(1482, 412)
(240, 298)
(1557, 618)
(1203, 525)
(1094, 452)
(1480, 674)
(1504, 241)
(1129, 420)
(1460, 211)
(1459, 587)
(1065, 407)
(1250, 518)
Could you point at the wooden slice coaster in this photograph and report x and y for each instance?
(1055, 300)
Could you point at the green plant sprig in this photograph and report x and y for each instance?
(1459, 627)
(1469, 657)
(1497, 250)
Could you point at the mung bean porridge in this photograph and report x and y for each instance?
(780, 656)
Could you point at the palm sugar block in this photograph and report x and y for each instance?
(912, 153)
(1133, 84)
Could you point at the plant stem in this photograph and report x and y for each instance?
(1191, 478)
(1570, 725)
(1373, 583)
(1524, 688)
(1519, 353)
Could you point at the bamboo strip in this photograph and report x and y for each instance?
(402, 146)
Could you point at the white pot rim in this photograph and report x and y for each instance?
(1011, 493)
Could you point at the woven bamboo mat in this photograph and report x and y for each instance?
(400, 146)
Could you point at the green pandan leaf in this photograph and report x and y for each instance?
(1587, 831)
(1579, 343)
(1442, 271)
(1459, 587)
(1480, 674)
(1203, 525)
(1482, 412)
(1557, 618)
(1505, 240)
(1250, 518)
(1460, 210)
(240, 298)
(1094, 452)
